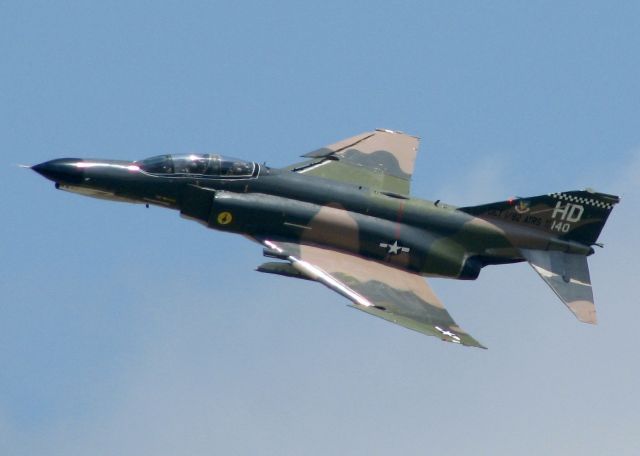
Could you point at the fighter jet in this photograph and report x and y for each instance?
(344, 217)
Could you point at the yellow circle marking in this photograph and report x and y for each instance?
(224, 218)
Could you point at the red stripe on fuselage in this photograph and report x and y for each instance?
(399, 219)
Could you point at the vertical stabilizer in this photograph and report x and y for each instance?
(576, 216)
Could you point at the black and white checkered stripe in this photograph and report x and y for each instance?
(581, 200)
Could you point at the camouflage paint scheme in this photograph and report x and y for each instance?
(344, 218)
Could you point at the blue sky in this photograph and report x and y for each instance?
(131, 331)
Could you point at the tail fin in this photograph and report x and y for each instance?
(577, 216)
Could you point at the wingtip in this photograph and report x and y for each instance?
(388, 130)
(591, 321)
(395, 132)
(476, 344)
(584, 310)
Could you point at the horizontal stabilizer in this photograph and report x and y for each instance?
(568, 276)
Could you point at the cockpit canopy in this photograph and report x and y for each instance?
(198, 164)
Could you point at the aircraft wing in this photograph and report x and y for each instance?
(398, 296)
(380, 159)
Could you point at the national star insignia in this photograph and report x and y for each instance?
(394, 249)
(449, 334)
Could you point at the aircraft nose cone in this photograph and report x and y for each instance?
(61, 170)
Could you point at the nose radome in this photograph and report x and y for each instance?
(61, 170)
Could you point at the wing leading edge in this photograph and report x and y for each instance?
(398, 296)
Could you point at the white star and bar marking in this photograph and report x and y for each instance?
(455, 337)
(394, 248)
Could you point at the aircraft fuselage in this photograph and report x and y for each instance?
(427, 237)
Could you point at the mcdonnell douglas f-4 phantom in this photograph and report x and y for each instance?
(344, 217)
